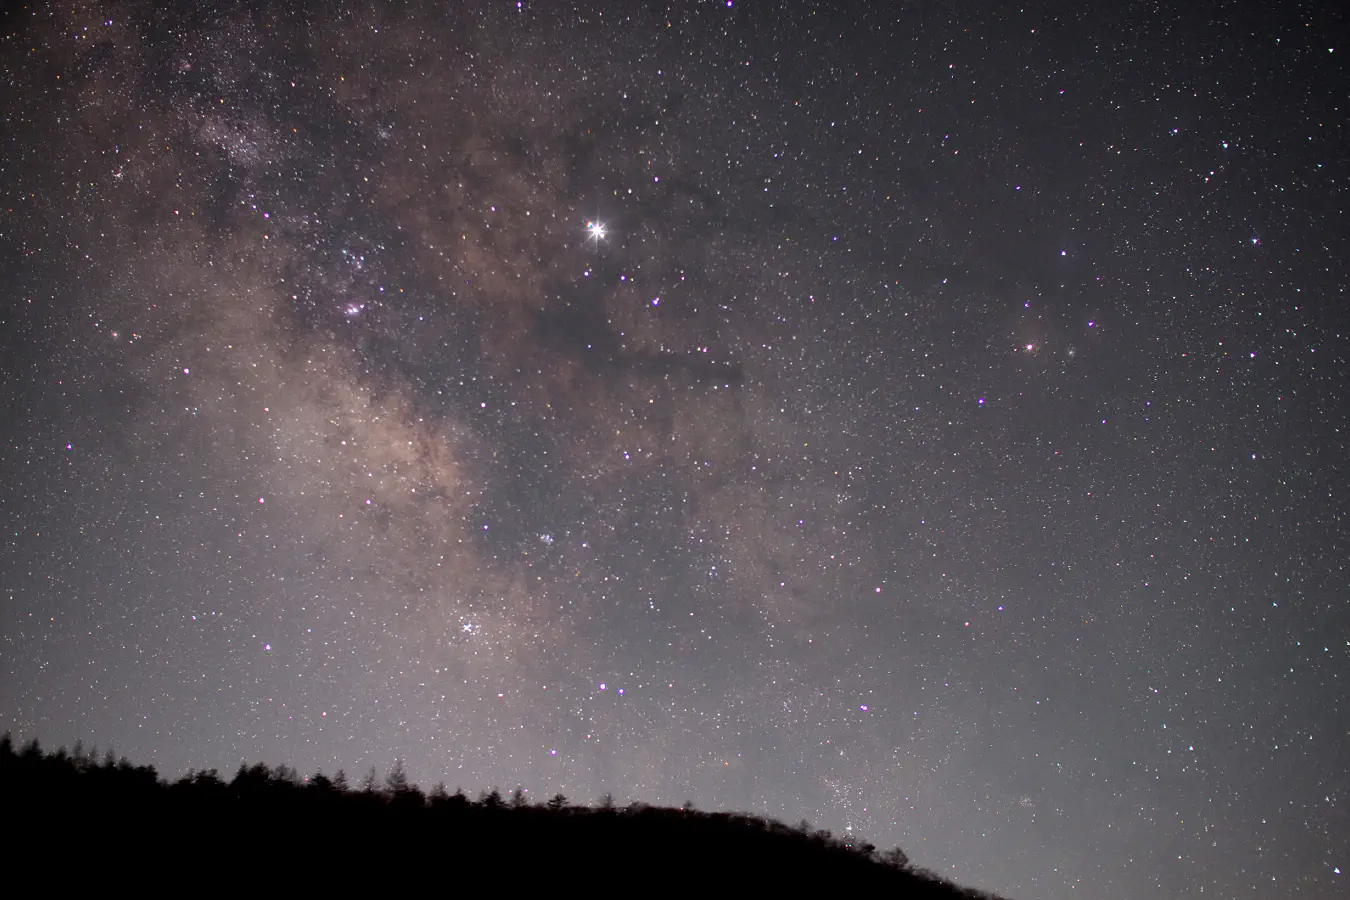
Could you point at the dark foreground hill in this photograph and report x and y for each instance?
(75, 821)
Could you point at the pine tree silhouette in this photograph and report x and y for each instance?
(281, 827)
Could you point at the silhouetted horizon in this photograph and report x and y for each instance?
(928, 418)
(49, 790)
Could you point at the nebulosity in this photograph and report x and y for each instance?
(604, 399)
(379, 351)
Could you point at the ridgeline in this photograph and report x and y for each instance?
(75, 818)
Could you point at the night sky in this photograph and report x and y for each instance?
(925, 419)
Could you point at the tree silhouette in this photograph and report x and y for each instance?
(280, 826)
(396, 782)
(896, 858)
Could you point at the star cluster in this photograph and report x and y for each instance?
(928, 422)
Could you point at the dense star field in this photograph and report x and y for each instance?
(925, 419)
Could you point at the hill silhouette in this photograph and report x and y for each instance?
(76, 817)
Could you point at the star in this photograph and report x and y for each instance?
(342, 371)
(595, 231)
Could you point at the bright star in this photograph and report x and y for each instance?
(596, 230)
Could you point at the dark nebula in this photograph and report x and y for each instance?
(942, 436)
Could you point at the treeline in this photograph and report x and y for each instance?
(272, 823)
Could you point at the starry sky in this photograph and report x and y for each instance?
(924, 419)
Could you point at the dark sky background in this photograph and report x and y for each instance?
(946, 439)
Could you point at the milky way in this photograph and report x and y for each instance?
(929, 424)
